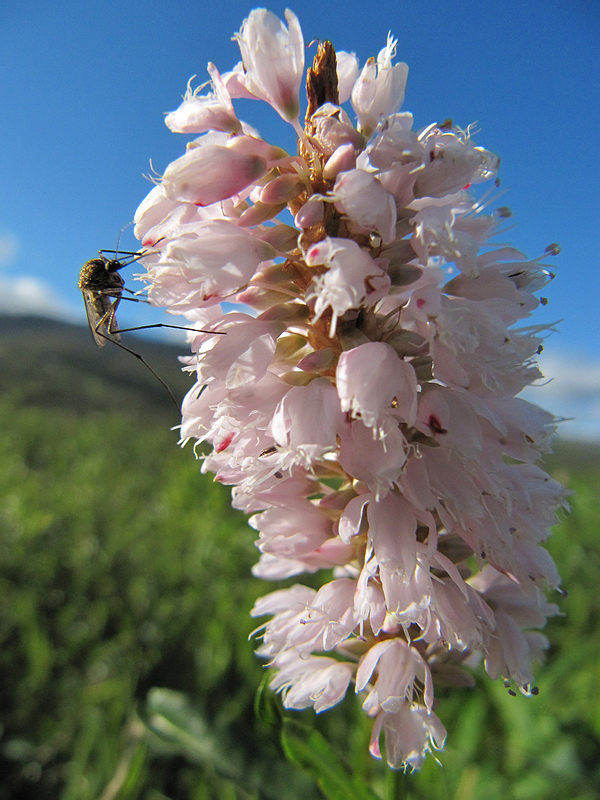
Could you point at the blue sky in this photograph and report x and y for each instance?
(83, 89)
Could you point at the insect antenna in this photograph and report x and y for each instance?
(116, 252)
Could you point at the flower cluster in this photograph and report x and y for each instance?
(363, 402)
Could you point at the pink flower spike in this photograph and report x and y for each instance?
(209, 173)
(358, 346)
(273, 58)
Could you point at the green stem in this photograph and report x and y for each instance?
(397, 784)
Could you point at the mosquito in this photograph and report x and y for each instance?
(102, 287)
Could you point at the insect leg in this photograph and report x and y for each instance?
(110, 316)
(164, 325)
(137, 254)
(113, 293)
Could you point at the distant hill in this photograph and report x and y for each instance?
(48, 363)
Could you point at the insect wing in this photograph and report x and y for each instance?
(100, 315)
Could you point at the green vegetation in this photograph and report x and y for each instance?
(125, 584)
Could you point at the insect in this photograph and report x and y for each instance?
(102, 287)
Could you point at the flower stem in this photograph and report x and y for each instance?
(396, 786)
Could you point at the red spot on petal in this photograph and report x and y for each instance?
(420, 302)
(224, 444)
(435, 424)
(468, 186)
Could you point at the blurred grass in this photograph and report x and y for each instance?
(126, 667)
(120, 570)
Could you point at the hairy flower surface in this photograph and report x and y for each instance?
(363, 400)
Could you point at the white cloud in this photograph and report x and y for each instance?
(572, 393)
(28, 295)
(9, 247)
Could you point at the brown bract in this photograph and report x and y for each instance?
(321, 87)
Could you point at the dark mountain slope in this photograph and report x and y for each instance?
(48, 363)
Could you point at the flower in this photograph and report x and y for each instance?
(379, 90)
(362, 403)
(210, 172)
(273, 59)
(201, 113)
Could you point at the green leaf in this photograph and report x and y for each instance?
(175, 727)
(308, 749)
(179, 728)
(266, 705)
